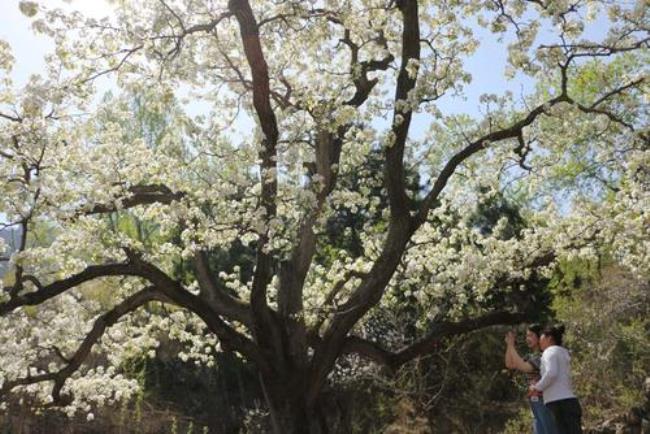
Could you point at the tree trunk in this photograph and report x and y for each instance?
(288, 407)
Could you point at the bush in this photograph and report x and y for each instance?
(607, 314)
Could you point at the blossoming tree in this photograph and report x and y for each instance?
(296, 95)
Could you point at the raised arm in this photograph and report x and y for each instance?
(512, 358)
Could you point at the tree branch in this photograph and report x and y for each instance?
(11, 118)
(328, 151)
(394, 169)
(219, 300)
(359, 70)
(265, 327)
(457, 159)
(73, 363)
(128, 52)
(174, 291)
(370, 291)
(138, 195)
(46, 292)
(431, 341)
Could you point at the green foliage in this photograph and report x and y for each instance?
(189, 389)
(607, 314)
(571, 275)
(101, 292)
(521, 423)
(492, 209)
(462, 388)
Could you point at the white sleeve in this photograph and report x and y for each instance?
(550, 362)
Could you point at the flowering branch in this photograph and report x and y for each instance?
(75, 361)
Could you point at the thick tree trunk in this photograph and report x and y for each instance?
(289, 410)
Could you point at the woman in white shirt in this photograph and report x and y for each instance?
(555, 382)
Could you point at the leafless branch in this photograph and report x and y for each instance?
(429, 343)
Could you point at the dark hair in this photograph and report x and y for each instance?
(535, 328)
(555, 331)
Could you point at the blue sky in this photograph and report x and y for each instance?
(29, 48)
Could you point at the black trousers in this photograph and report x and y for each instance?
(567, 414)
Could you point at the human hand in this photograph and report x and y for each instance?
(533, 392)
(510, 338)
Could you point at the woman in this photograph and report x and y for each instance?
(530, 365)
(555, 382)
